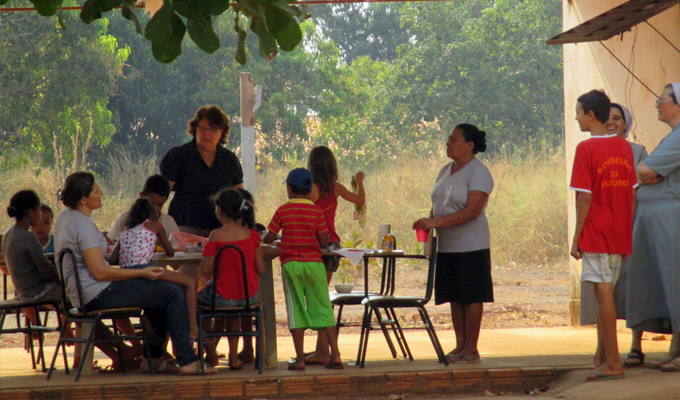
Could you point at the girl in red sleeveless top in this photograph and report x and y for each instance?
(325, 192)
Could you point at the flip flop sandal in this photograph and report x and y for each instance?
(467, 359)
(634, 358)
(294, 366)
(599, 376)
(673, 366)
(108, 369)
(665, 359)
(332, 365)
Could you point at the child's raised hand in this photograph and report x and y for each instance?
(359, 177)
(152, 273)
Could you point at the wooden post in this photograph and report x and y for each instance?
(248, 133)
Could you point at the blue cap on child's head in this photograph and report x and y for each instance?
(300, 177)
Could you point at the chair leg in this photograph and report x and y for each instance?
(433, 335)
(119, 344)
(29, 338)
(399, 333)
(62, 332)
(145, 345)
(258, 342)
(201, 338)
(86, 348)
(41, 337)
(385, 332)
(363, 339)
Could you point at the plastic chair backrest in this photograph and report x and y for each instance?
(60, 265)
(430, 271)
(216, 270)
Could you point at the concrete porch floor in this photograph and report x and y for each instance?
(514, 360)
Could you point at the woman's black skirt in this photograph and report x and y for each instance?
(463, 278)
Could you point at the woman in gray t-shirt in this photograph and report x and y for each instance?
(105, 287)
(32, 273)
(463, 274)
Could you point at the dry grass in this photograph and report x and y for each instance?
(527, 210)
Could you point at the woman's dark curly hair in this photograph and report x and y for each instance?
(215, 117)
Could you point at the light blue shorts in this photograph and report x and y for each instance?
(600, 267)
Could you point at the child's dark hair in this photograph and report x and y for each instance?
(156, 184)
(597, 102)
(297, 189)
(47, 209)
(141, 210)
(76, 186)
(21, 202)
(324, 169)
(249, 198)
(236, 206)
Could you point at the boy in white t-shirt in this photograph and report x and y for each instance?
(156, 189)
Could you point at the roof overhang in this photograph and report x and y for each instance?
(613, 22)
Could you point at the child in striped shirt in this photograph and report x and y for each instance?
(304, 275)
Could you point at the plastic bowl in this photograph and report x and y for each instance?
(344, 287)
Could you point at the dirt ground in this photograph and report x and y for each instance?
(526, 296)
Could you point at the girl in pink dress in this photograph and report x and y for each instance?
(136, 248)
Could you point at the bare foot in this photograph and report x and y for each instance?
(246, 355)
(195, 369)
(467, 355)
(453, 353)
(294, 365)
(317, 358)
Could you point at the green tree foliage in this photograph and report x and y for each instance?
(153, 102)
(275, 22)
(359, 29)
(490, 67)
(371, 81)
(55, 97)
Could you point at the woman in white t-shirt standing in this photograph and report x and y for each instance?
(463, 274)
(105, 287)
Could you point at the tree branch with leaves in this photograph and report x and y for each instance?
(275, 22)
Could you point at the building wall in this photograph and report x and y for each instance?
(590, 66)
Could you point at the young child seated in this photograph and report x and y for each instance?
(43, 230)
(237, 216)
(304, 274)
(137, 245)
(156, 189)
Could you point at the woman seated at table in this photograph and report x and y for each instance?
(105, 287)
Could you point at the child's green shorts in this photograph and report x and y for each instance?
(306, 290)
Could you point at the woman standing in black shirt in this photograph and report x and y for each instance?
(199, 169)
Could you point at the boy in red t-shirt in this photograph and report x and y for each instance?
(304, 275)
(603, 177)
